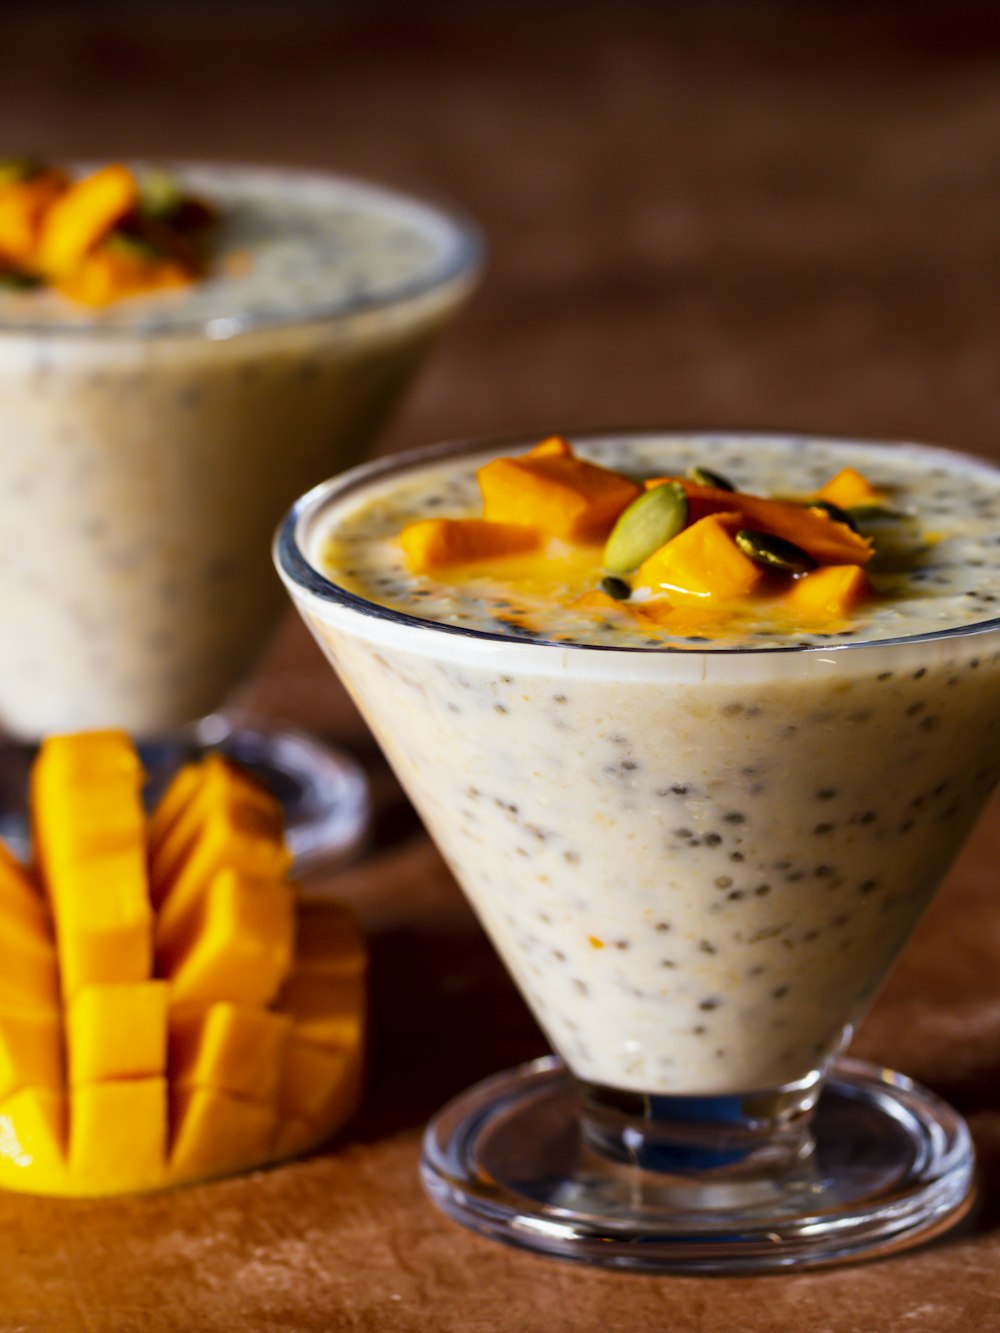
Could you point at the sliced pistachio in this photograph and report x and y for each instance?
(160, 195)
(835, 512)
(616, 588)
(704, 476)
(774, 552)
(647, 524)
(20, 168)
(128, 243)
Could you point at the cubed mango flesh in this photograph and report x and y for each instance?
(562, 496)
(828, 593)
(215, 1134)
(117, 1031)
(33, 1141)
(849, 489)
(30, 1048)
(325, 1010)
(82, 215)
(701, 563)
(233, 1048)
(320, 1084)
(328, 941)
(118, 1135)
(436, 543)
(237, 946)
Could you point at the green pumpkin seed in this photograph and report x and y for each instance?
(138, 247)
(22, 168)
(774, 552)
(876, 514)
(17, 280)
(647, 524)
(704, 476)
(160, 195)
(835, 512)
(616, 588)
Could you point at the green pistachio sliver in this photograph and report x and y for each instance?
(20, 168)
(127, 243)
(774, 552)
(704, 476)
(616, 588)
(647, 524)
(160, 195)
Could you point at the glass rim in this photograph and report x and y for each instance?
(296, 569)
(462, 257)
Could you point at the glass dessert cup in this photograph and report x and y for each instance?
(645, 835)
(146, 459)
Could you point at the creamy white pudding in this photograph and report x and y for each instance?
(697, 861)
(149, 447)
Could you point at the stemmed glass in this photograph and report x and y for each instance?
(148, 451)
(698, 866)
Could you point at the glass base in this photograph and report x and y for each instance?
(324, 793)
(891, 1166)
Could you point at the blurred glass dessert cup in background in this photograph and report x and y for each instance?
(698, 856)
(150, 444)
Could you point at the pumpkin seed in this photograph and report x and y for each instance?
(16, 279)
(160, 195)
(835, 512)
(14, 169)
(647, 524)
(704, 476)
(137, 247)
(616, 588)
(774, 552)
(876, 514)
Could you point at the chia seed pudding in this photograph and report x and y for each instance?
(698, 861)
(149, 447)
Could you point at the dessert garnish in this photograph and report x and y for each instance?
(99, 237)
(169, 1009)
(689, 553)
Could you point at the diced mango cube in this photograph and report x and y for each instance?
(702, 562)
(83, 215)
(28, 972)
(232, 1048)
(215, 1133)
(106, 275)
(23, 910)
(30, 1048)
(174, 801)
(229, 822)
(556, 446)
(237, 946)
(90, 839)
(848, 489)
(118, 1135)
(326, 1010)
(328, 941)
(23, 205)
(435, 543)
(117, 1031)
(828, 593)
(563, 496)
(33, 1140)
(320, 1083)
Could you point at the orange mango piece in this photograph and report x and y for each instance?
(320, 1085)
(106, 275)
(90, 838)
(22, 907)
(30, 1049)
(233, 1048)
(83, 215)
(33, 1141)
(325, 1010)
(849, 488)
(215, 1133)
(436, 543)
(117, 1032)
(230, 821)
(28, 974)
(118, 1135)
(556, 446)
(702, 562)
(23, 206)
(556, 492)
(237, 946)
(328, 941)
(829, 593)
(828, 542)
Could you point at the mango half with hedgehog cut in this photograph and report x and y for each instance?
(169, 1010)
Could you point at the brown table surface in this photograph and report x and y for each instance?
(698, 215)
